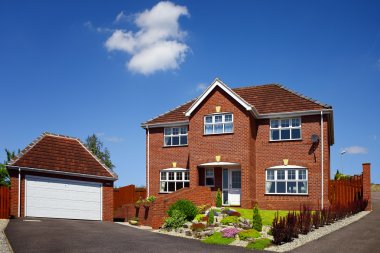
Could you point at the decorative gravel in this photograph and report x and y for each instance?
(4, 245)
(318, 233)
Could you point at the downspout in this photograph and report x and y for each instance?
(19, 193)
(147, 169)
(322, 158)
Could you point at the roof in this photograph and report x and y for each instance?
(59, 153)
(262, 99)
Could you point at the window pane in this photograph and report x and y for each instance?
(179, 175)
(175, 131)
(275, 135)
(225, 178)
(270, 187)
(164, 187)
(171, 175)
(218, 118)
(281, 175)
(183, 130)
(302, 174)
(168, 141)
(178, 185)
(225, 197)
(280, 187)
(168, 131)
(270, 174)
(163, 175)
(228, 127)
(175, 140)
(292, 187)
(186, 175)
(208, 129)
(171, 186)
(296, 133)
(274, 123)
(208, 119)
(236, 179)
(302, 187)
(186, 184)
(285, 134)
(218, 128)
(209, 172)
(209, 181)
(296, 122)
(285, 123)
(291, 174)
(228, 117)
(184, 140)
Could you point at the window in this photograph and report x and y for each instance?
(219, 123)
(175, 136)
(285, 129)
(209, 177)
(286, 181)
(171, 181)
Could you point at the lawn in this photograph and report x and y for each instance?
(266, 215)
(217, 238)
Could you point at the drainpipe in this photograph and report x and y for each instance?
(19, 193)
(322, 158)
(147, 169)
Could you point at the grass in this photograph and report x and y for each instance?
(250, 233)
(259, 244)
(266, 215)
(375, 187)
(217, 238)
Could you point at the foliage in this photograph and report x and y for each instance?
(94, 144)
(176, 220)
(210, 217)
(340, 176)
(150, 199)
(257, 222)
(259, 244)
(250, 233)
(199, 217)
(217, 238)
(230, 232)
(279, 229)
(267, 216)
(197, 227)
(304, 220)
(186, 207)
(229, 219)
(292, 228)
(316, 218)
(203, 208)
(4, 175)
(218, 200)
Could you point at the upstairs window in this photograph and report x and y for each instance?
(175, 136)
(219, 123)
(285, 129)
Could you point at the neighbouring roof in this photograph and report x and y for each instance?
(264, 99)
(60, 153)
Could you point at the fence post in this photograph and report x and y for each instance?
(367, 184)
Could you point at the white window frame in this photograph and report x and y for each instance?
(286, 180)
(213, 177)
(179, 135)
(223, 122)
(174, 180)
(279, 128)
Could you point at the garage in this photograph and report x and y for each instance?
(57, 176)
(59, 198)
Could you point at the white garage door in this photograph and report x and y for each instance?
(61, 198)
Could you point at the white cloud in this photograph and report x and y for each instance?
(354, 150)
(91, 27)
(121, 16)
(114, 139)
(158, 44)
(201, 86)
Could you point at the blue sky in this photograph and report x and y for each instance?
(83, 67)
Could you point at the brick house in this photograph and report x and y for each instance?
(56, 176)
(260, 144)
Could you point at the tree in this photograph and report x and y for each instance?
(96, 147)
(257, 222)
(4, 175)
(218, 200)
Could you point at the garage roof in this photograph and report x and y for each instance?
(59, 153)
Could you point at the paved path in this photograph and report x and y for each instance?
(52, 235)
(361, 236)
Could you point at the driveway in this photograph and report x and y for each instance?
(53, 235)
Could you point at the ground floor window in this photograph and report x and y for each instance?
(286, 181)
(209, 177)
(171, 181)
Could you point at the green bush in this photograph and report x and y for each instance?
(218, 200)
(210, 217)
(257, 222)
(250, 233)
(186, 207)
(217, 238)
(259, 244)
(176, 220)
(199, 217)
(229, 219)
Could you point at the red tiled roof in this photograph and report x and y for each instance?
(268, 98)
(61, 153)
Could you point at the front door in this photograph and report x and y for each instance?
(231, 187)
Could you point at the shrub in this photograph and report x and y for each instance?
(230, 232)
(197, 227)
(203, 208)
(199, 217)
(210, 217)
(304, 220)
(292, 226)
(250, 233)
(259, 244)
(186, 207)
(316, 217)
(218, 200)
(257, 222)
(279, 229)
(150, 199)
(229, 219)
(176, 220)
(217, 238)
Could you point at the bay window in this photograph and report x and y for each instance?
(286, 181)
(171, 181)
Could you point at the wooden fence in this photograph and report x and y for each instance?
(4, 202)
(344, 191)
(127, 195)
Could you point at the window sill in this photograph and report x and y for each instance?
(218, 134)
(285, 140)
(288, 194)
(179, 146)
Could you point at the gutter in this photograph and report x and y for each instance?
(322, 159)
(148, 164)
(19, 194)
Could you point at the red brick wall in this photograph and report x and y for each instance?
(367, 184)
(107, 192)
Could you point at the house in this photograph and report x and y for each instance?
(56, 176)
(260, 144)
